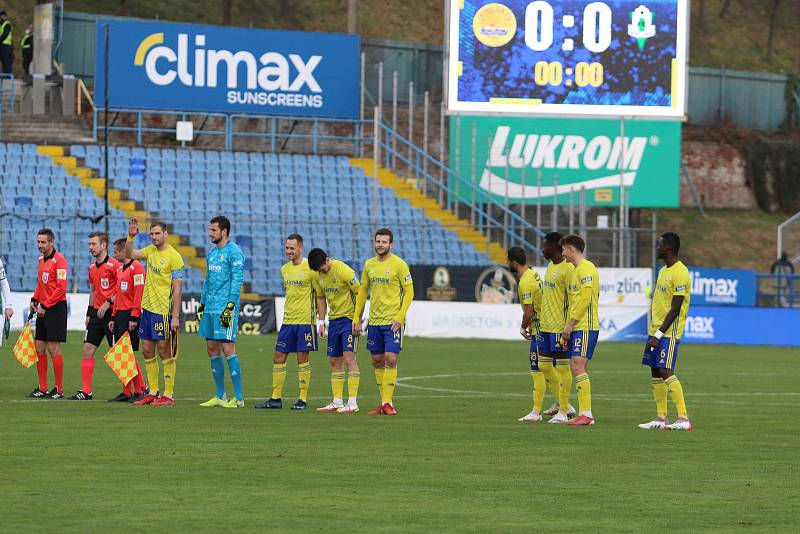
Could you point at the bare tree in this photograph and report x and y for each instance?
(123, 8)
(772, 7)
(701, 11)
(726, 5)
(227, 11)
(352, 11)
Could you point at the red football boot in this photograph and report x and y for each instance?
(376, 411)
(581, 420)
(163, 400)
(388, 409)
(147, 399)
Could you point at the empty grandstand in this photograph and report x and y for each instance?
(327, 199)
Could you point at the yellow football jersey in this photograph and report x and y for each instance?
(301, 293)
(163, 266)
(584, 293)
(529, 290)
(672, 281)
(340, 286)
(555, 296)
(386, 282)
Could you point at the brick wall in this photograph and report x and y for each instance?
(717, 171)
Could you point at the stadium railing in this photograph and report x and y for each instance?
(229, 131)
(493, 218)
(778, 290)
(485, 213)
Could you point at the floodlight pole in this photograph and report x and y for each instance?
(105, 124)
(622, 219)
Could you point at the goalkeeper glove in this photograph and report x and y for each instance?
(226, 317)
(199, 312)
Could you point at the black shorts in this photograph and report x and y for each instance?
(53, 326)
(98, 329)
(121, 322)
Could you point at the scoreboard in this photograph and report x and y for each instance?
(567, 57)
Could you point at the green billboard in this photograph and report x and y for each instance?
(545, 159)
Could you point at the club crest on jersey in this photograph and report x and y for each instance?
(123, 286)
(45, 277)
(104, 283)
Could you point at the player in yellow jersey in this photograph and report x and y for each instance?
(669, 309)
(387, 282)
(555, 308)
(583, 324)
(297, 333)
(339, 287)
(161, 306)
(529, 290)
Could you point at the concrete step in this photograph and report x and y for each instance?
(44, 129)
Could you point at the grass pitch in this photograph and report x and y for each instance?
(455, 459)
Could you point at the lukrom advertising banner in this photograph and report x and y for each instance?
(157, 65)
(534, 160)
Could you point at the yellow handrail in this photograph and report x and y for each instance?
(83, 90)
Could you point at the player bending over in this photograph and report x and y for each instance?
(670, 307)
(339, 286)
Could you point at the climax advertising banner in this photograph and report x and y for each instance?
(546, 160)
(568, 57)
(739, 325)
(735, 287)
(159, 65)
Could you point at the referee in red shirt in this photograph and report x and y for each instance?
(49, 302)
(127, 310)
(103, 284)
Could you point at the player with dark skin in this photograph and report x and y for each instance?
(552, 252)
(670, 257)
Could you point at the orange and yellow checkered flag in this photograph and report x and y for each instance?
(121, 359)
(25, 348)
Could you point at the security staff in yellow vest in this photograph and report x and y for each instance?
(6, 42)
(26, 44)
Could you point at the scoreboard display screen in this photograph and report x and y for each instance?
(568, 57)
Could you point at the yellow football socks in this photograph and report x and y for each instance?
(337, 384)
(379, 379)
(151, 367)
(584, 388)
(353, 380)
(169, 377)
(539, 386)
(389, 380)
(565, 385)
(549, 371)
(304, 379)
(278, 378)
(676, 391)
(660, 395)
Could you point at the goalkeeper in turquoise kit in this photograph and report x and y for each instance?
(218, 314)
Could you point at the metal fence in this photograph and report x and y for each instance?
(778, 290)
